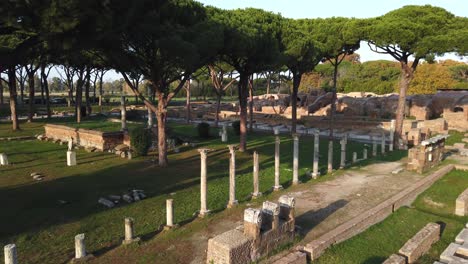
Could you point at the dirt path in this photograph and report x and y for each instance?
(323, 206)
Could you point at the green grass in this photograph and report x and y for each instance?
(383, 239)
(455, 137)
(43, 229)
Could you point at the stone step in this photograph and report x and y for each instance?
(462, 237)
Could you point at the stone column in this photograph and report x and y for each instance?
(3, 159)
(277, 186)
(252, 223)
(315, 168)
(256, 193)
(330, 156)
(296, 158)
(129, 232)
(203, 203)
(123, 113)
(383, 143)
(343, 153)
(232, 177)
(224, 135)
(71, 158)
(150, 118)
(392, 135)
(10, 254)
(169, 214)
(374, 146)
(354, 157)
(364, 153)
(80, 249)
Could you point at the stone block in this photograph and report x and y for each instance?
(449, 254)
(71, 158)
(231, 247)
(462, 237)
(395, 259)
(3, 159)
(293, 258)
(420, 243)
(461, 204)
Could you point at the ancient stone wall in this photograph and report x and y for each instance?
(425, 156)
(87, 138)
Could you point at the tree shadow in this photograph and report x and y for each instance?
(312, 218)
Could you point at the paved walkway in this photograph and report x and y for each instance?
(323, 206)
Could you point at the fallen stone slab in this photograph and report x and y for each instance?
(127, 198)
(461, 204)
(449, 254)
(462, 237)
(395, 259)
(38, 177)
(397, 171)
(420, 243)
(106, 202)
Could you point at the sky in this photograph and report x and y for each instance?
(344, 8)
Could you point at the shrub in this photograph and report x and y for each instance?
(203, 130)
(140, 139)
(236, 127)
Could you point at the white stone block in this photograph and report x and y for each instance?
(3, 159)
(253, 216)
(462, 236)
(71, 158)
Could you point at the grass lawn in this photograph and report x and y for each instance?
(43, 228)
(380, 241)
(455, 137)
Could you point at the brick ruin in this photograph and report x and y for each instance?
(428, 154)
(263, 231)
(102, 141)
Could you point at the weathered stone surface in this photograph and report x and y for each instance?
(10, 254)
(420, 243)
(253, 216)
(462, 236)
(448, 256)
(231, 247)
(3, 159)
(293, 258)
(106, 202)
(71, 158)
(461, 204)
(395, 259)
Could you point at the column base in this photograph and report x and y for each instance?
(202, 214)
(232, 204)
(315, 175)
(134, 240)
(277, 187)
(83, 259)
(296, 182)
(166, 227)
(256, 195)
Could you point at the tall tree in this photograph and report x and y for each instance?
(251, 46)
(414, 32)
(338, 37)
(300, 54)
(219, 72)
(165, 41)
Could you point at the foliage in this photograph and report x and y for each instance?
(430, 77)
(140, 140)
(203, 130)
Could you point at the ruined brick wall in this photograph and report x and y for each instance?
(87, 138)
(426, 155)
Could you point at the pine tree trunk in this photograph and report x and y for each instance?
(161, 117)
(295, 89)
(187, 104)
(242, 89)
(12, 90)
(218, 106)
(87, 88)
(31, 96)
(78, 100)
(45, 85)
(251, 106)
(1, 92)
(333, 105)
(405, 79)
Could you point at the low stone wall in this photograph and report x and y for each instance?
(296, 257)
(461, 204)
(375, 215)
(420, 243)
(395, 259)
(87, 138)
